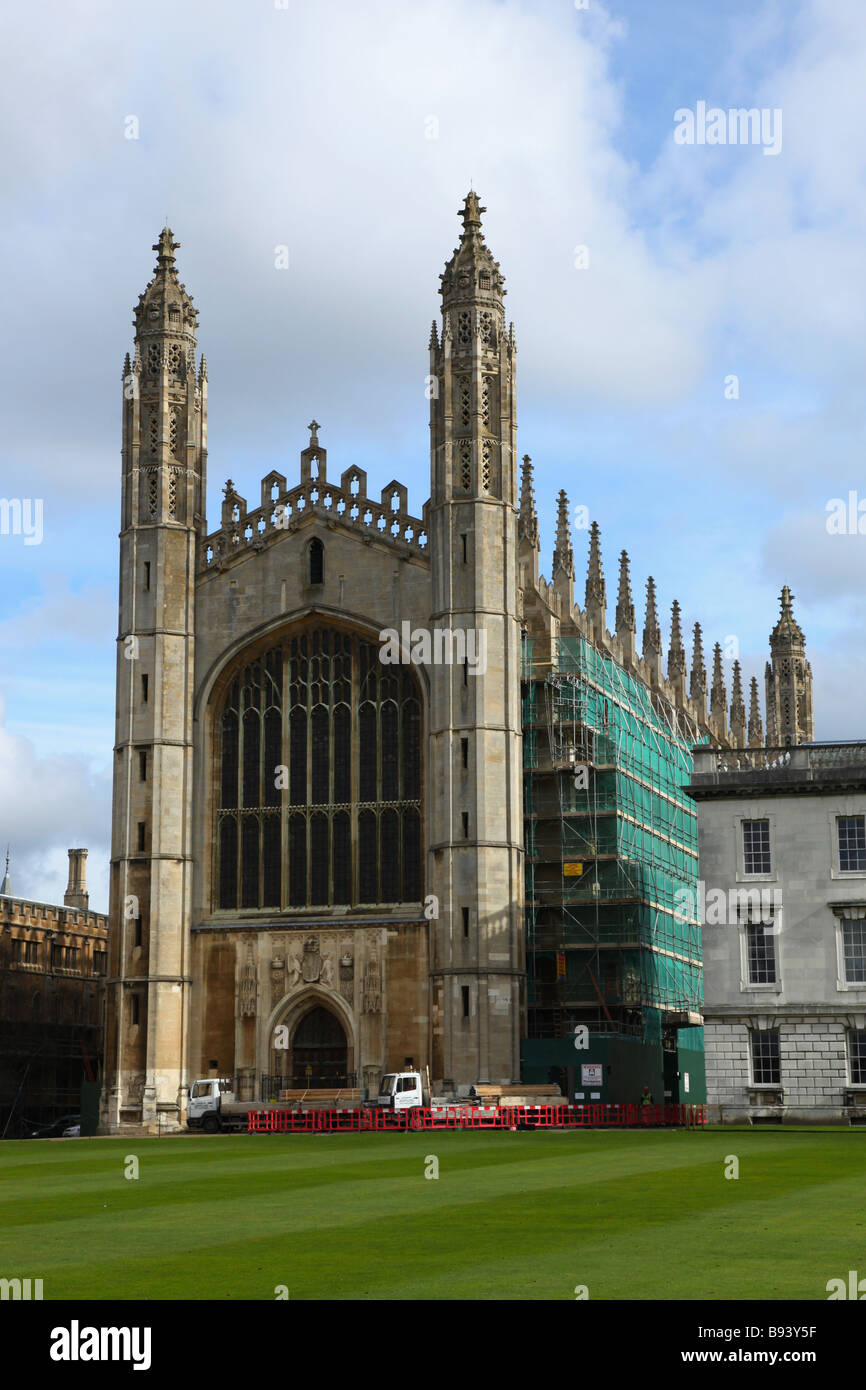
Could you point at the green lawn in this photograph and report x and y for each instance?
(630, 1215)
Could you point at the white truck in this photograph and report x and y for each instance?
(212, 1106)
(402, 1090)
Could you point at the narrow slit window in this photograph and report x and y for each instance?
(147, 574)
(317, 562)
(465, 921)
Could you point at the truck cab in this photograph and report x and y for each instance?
(205, 1096)
(401, 1090)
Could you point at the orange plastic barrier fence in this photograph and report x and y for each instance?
(595, 1116)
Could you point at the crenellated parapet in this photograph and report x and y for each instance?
(285, 509)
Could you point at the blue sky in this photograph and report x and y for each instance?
(310, 127)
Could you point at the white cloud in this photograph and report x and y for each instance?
(306, 126)
(50, 805)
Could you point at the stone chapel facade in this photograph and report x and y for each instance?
(317, 852)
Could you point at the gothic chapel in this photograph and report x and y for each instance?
(284, 803)
(310, 845)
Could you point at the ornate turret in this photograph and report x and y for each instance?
(165, 405)
(472, 424)
(472, 277)
(788, 678)
(596, 600)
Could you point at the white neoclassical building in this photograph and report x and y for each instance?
(782, 841)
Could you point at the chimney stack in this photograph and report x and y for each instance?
(76, 894)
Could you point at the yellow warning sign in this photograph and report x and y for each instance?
(572, 870)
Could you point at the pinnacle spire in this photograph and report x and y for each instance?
(165, 307)
(165, 248)
(595, 588)
(676, 651)
(472, 276)
(624, 605)
(624, 625)
(6, 885)
(698, 678)
(652, 636)
(756, 728)
(563, 555)
(676, 629)
(471, 212)
(718, 697)
(787, 628)
(596, 595)
(527, 521)
(738, 709)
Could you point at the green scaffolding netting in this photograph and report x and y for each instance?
(611, 840)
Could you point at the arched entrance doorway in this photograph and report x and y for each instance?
(319, 1050)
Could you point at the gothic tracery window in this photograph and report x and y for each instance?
(319, 757)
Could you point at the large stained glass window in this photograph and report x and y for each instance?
(318, 778)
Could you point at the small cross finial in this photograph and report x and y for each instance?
(314, 427)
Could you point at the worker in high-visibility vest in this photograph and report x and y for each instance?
(646, 1098)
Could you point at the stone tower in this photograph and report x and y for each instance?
(162, 518)
(788, 679)
(475, 834)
